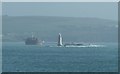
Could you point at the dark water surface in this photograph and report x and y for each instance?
(18, 57)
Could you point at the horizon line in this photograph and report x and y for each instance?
(58, 16)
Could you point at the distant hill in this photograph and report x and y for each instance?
(80, 29)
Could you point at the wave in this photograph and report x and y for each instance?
(88, 46)
(79, 46)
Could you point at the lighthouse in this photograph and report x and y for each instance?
(60, 40)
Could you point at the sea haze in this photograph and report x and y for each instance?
(89, 31)
(75, 29)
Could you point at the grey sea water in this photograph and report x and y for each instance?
(17, 57)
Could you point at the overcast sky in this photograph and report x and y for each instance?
(105, 10)
(59, 0)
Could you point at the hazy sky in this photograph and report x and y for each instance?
(106, 10)
(59, 0)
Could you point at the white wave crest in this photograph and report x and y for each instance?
(91, 45)
(88, 46)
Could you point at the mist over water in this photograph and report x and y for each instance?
(78, 22)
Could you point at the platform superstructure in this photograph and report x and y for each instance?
(33, 41)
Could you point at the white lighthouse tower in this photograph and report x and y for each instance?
(60, 40)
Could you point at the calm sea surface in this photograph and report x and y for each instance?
(18, 57)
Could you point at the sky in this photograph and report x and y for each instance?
(59, 0)
(105, 10)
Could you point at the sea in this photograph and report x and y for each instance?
(18, 57)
